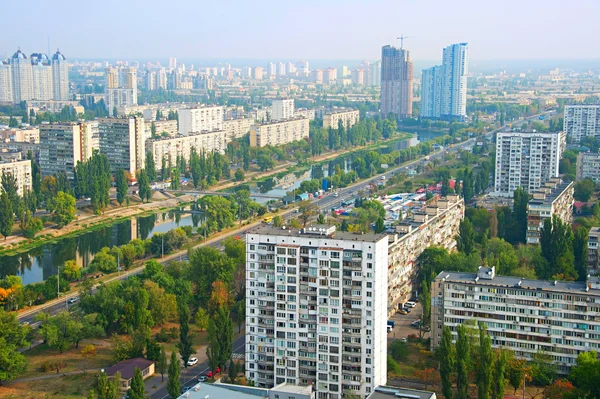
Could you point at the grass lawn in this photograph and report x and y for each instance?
(171, 345)
(62, 387)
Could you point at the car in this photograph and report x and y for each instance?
(24, 323)
(192, 361)
(407, 310)
(202, 378)
(403, 311)
(410, 304)
(73, 300)
(390, 329)
(184, 389)
(218, 370)
(209, 374)
(336, 195)
(403, 339)
(416, 323)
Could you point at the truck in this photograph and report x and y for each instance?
(391, 323)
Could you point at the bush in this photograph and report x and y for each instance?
(163, 335)
(392, 366)
(399, 350)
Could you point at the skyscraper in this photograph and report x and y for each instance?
(454, 90)
(121, 88)
(22, 77)
(6, 87)
(60, 77)
(444, 88)
(396, 82)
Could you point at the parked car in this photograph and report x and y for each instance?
(389, 329)
(403, 339)
(209, 374)
(192, 361)
(202, 378)
(184, 389)
(73, 300)
(410, 304)
(416, 324)
(403, 311)
(407, 310)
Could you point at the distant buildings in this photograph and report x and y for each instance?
(588, 166)
(21, 171)
(444, 91)
(582, 121)
(283, 109)
(37, 78)
(348, 117)
(396, 82)
(526, 159)
(200, 119)
(277, 133)
(170, 148)
(123, 142)
(553, 198)
(120, 89)
(63, 144)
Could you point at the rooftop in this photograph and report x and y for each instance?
(549, 192)
(288, 388)
(215, 391)
(126, 367)
(384, 392)
(328, 232)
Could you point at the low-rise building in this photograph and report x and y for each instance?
(561, 319)
(553, 198)
(170, 148)
(588, 166)
(437, 224)
(277, 133)
(348, 117)
(21, 171)
(127, 367)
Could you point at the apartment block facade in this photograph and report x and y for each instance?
(526, 159)
(348, 117)
(120, 89)
(437, 225)
(170, 148)
(553, 198)
(396, 82)
(316, 301)
(593, 260)
(582, 121)
(277, 133)
(165, 126)
(588, 166)
(200, 119)
(122, 140)
(64, 144)
(561, 319)
(283, 109)
(21, 171)
(236, 128)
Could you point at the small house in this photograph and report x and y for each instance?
(127, 367)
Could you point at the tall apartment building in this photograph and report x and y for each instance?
(446, 85)
(555, 197)
(6, 87)
(315, 301)
(64, 144)
(374, 77)
(236, 128)
(60, 77)
(21, 171)
(122, 140)
(348, 118)
(593, 261)
(396, 82)
(526, 159)
(437, 224)
(22, 77)
(120, 88)
(259, 73)
(163, 127)
(277, 133)
(582, 121)
(200, 119)
(272, 69)
(588, 166)
(431, 92)
(283, 109)
(561, 319)
(42, 77)
(170, 148)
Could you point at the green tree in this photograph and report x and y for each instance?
(151, 167)
(277, 221)
(220, 338)
(174, 384)
(137, 389)
(498, 375)
(122, 186)
(63, 209)
(543, 370)
(425, 300)
(520, 202)
(486, 364)
(175, 179)
(379, 226)
(556, 242)
(153, 130)
(239, 174)
(584, 190)
(465, 241)
(447, 357)
(463, 360)
(109, 389)
(586, 374)
(12, 337)
(201, 319)
(515, 372)
(580, 246)
(145, 192)
(32, 227)
(307, 211)
(185, 345)
(6, 215)
(161, 364)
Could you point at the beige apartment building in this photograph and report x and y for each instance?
(437, 224)
(277, 133)
(348, 117)
(200, 119)
(236, 128)
(21, 170)
(588, 166)
(29, 134)
(553, 198)
(122, 140)
(592, 252)
(171, 147)
(165, 126)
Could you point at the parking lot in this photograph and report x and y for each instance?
(403, 329)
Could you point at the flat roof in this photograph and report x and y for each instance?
(203, 390)
(299, 232)
(289, 388)
(513, 282)
(386, 392)
(552, 195)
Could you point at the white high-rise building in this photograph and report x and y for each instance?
(316, 302)
(200, 119)
(526, 159)
(291, 68)
(374, 74)
(431, 92)
(582, 121)
(22, 77)
(281, 69)
(172, 63)
(42, 77)
(272, 69)
(121, 88)
(455, 63)
(60, 77)
(6, 84)
(283, 108)
(150, 80)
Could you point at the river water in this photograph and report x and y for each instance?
(41, 262)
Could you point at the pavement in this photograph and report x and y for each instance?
(403, 329)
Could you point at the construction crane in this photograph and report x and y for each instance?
(402, 37)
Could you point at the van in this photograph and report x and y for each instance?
(389, 329)
(410, 304)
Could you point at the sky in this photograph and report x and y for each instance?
(308, 29)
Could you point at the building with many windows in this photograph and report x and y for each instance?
(588, 166)
(316, 309)
(21, 171)
(526, 159)
(279, 132)
(561, 319)
(431, 92)
(553, 198)
(200, 119)
(582, 121)
(396, 82)
(63, 144)
(170, 148)
(123, 141)
(236, 128)
(120, 89)
(283, 109)
(348, 117)
(593, 261)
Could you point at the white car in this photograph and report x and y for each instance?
(390, 329)
(202, 378)
(192, 361)
(410, 304)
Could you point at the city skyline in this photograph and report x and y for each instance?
(463, 21)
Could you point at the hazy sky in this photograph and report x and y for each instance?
(310, 29)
